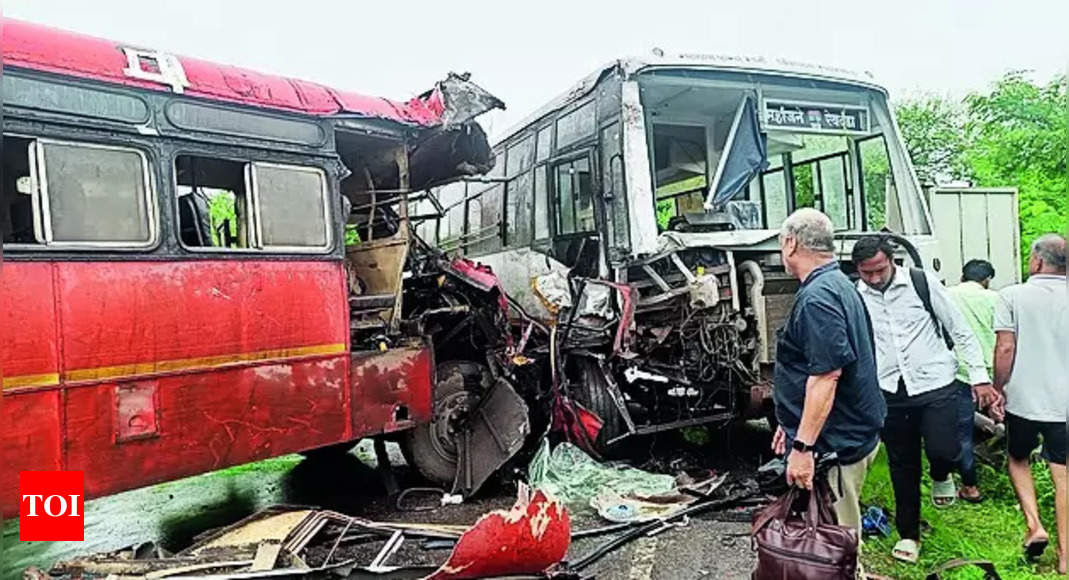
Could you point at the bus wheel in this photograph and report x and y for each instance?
(432, 447)
(591, 390)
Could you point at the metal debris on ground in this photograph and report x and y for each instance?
(286, 541)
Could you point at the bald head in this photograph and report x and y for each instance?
(1048, 254)
(811, 230)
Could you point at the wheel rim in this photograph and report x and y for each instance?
(445, 429)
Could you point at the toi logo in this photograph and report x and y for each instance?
(51, 506)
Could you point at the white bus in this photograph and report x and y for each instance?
(658, 186)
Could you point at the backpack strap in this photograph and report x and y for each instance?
(924, 292)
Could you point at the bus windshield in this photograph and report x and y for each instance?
(748, 153)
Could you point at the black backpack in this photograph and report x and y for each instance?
(920, 284)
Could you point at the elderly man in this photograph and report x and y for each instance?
(1032, 370)
(826, 394)
(977, 305)
(912, 317)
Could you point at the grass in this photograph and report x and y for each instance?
(990, 531)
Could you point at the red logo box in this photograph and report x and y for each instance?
(51, 506)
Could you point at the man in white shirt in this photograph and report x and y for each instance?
(1031, 368)
(915, 327)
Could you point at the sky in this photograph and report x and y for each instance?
(527, 53)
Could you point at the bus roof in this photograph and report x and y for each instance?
(719, 62)
(37, 47)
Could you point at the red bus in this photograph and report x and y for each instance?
(178, 293)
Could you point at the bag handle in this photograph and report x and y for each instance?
(781, 508)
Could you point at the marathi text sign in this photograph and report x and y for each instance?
(814, 118)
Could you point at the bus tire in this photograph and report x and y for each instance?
(432, 447)
(591, 390)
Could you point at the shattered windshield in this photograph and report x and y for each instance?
(746, 155)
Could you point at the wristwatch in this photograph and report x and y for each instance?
(801, 447)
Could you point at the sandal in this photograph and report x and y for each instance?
(1035, 548)
(944, 493)
(975, 499)
(907, 551)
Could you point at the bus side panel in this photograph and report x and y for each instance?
(392, 389)
(127, 319)
(30, 440)
(30, 414)
(199, 422)
(177, 368)
(30, 349)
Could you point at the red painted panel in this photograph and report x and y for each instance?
(28, 316)
(48, 49)
(386, 381)
(208, 421)
(29, 439)
(127, 313)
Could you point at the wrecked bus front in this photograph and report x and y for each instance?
(638, 214)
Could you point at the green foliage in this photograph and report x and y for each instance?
(992, 530)
(803, 186)
(1014, 134)
(666, 210)
(352, 237)
(221, 209)
(935, 137)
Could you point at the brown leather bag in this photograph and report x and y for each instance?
(803, 544)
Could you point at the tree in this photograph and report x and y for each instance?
(933, 129)
(1019, 136)
(1014, 134)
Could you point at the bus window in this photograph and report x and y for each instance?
(875, 175)
(483, 232)
(680, 170)
(541, 204)
(16, 201)
(291, 205)
(248, 205)
(575, 200)
(212, 203)
(577, 125)
(64, 193)
(518, 219)
(545, 144)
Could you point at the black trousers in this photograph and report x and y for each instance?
(931, 417)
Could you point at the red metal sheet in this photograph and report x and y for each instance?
(38, 47)
(391, 389)
(123, 319)
(208, 421)
(528, 539)
(28, 315)
(29, 439)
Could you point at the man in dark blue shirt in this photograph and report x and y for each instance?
(826, 391)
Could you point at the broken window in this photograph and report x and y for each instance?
(575, 199)
(66, 193)
(213, 207)
(248, 205)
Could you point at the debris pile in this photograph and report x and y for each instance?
(285, 541)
